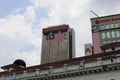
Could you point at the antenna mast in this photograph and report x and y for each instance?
(94, 13)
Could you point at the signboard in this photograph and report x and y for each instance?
(105, 19)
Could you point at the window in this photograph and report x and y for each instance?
(50, 36)
(107, 26)
(116, 25)
(113, 34)
(117, 33)
(103, 35)
(102, 27)
(108, 35)
(112, 25)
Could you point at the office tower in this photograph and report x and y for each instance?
(106, 33)
(58, 43)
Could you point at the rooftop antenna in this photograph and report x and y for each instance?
(94, 13)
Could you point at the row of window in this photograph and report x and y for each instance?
(110, 26)
(110, 34)
(109, 41)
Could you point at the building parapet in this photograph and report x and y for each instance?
(83, 67)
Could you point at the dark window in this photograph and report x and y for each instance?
(50, 36)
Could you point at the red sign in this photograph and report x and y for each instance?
(99, 21)
(56, 28)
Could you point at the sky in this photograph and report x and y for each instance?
(22, 21)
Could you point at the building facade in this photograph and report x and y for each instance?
(104, 66)
(105, 32)
(58, 43)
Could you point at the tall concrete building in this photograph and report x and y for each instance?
(58, 43)
(106, 33)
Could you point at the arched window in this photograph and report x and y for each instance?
(113, 34)
(118, 33)
(108, 35)
(103, 35)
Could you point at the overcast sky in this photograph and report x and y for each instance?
(21, 23)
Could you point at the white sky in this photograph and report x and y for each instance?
(21, 26)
